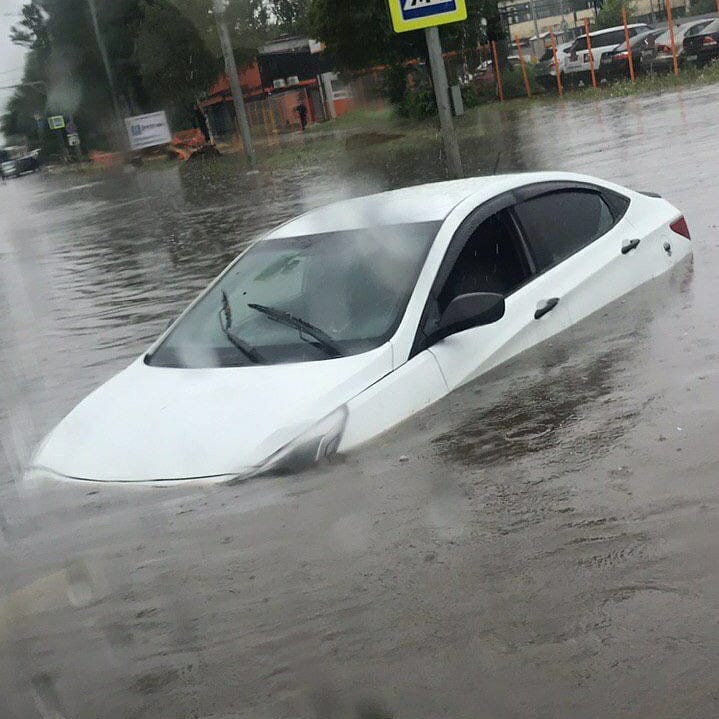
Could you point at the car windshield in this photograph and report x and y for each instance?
(303, 298)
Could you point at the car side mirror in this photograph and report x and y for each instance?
(471, 310)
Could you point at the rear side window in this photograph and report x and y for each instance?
(610, 39)
(561, 223)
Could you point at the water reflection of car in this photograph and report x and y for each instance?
(545, 71)
(353, 317)
(703, 47)
(663, 59)
(615, 63)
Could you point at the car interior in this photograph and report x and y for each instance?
(493, 260)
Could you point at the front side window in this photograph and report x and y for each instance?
(492, 260)
(304, 298)
(561, 223)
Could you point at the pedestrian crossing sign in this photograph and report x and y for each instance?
(418, 14)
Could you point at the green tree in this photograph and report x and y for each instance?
(360, 34)
(611, 13)
(173, 63)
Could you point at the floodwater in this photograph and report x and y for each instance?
(547, 545)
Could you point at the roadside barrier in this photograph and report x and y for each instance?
(589, 50)
(671, 34)
(630, 59)
(524, 67)
(497, 71)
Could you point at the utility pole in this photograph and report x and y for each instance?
(120, 129)
(231, 72)
(441, 92)
(534, 20)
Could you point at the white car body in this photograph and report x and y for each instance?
(152, 423)
(577, 55)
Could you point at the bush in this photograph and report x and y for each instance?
(418, 103)
(394, 84)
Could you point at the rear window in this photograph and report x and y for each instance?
(610, 39)
(694, 30)
(561, 223)
(713, 26)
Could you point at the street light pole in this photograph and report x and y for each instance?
(120, 130)
(441, 93)
(231, 72)
(534, 20)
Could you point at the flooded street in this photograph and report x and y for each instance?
(542, 543)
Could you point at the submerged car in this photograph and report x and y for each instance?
(349, 319)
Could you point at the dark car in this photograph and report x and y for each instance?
(615, 64)
(28, 163)
(704, 46)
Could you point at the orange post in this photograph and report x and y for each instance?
(671, 34)
(560, 89)
(589, 50)
(524, 69)
(497, 73)
(630, 59)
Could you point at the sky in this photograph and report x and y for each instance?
(11, 56)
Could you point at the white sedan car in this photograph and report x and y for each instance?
(349, 319)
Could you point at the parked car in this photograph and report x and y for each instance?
(351, 318)
(545, 72)
(28, 163)
(663, 59)
(615, 63)
(576, 67)
(703, 47)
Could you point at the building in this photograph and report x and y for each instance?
(287, 72)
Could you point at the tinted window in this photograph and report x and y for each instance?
(610, 39)
(713, 26)
(492, 260)
(694, 30)
(579, 44)
(560, 223)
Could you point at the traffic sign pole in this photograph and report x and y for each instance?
(441, 93)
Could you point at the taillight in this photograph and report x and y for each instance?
(709, 40)
(680, 227)
(620, 56)
(664, 48)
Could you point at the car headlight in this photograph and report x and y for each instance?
(319, 442)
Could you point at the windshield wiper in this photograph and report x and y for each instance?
(289, 320)
(248, 350)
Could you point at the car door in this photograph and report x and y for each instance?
(581, 234)
(489, 254)
(575, 56)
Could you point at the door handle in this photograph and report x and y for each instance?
(545, 306)
(629, 245)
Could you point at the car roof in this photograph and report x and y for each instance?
(599, 33)
(421, 203)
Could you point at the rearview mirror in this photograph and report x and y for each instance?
(470, 310)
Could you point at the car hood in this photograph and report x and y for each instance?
(156, 423)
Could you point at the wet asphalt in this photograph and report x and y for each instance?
(541, 543)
